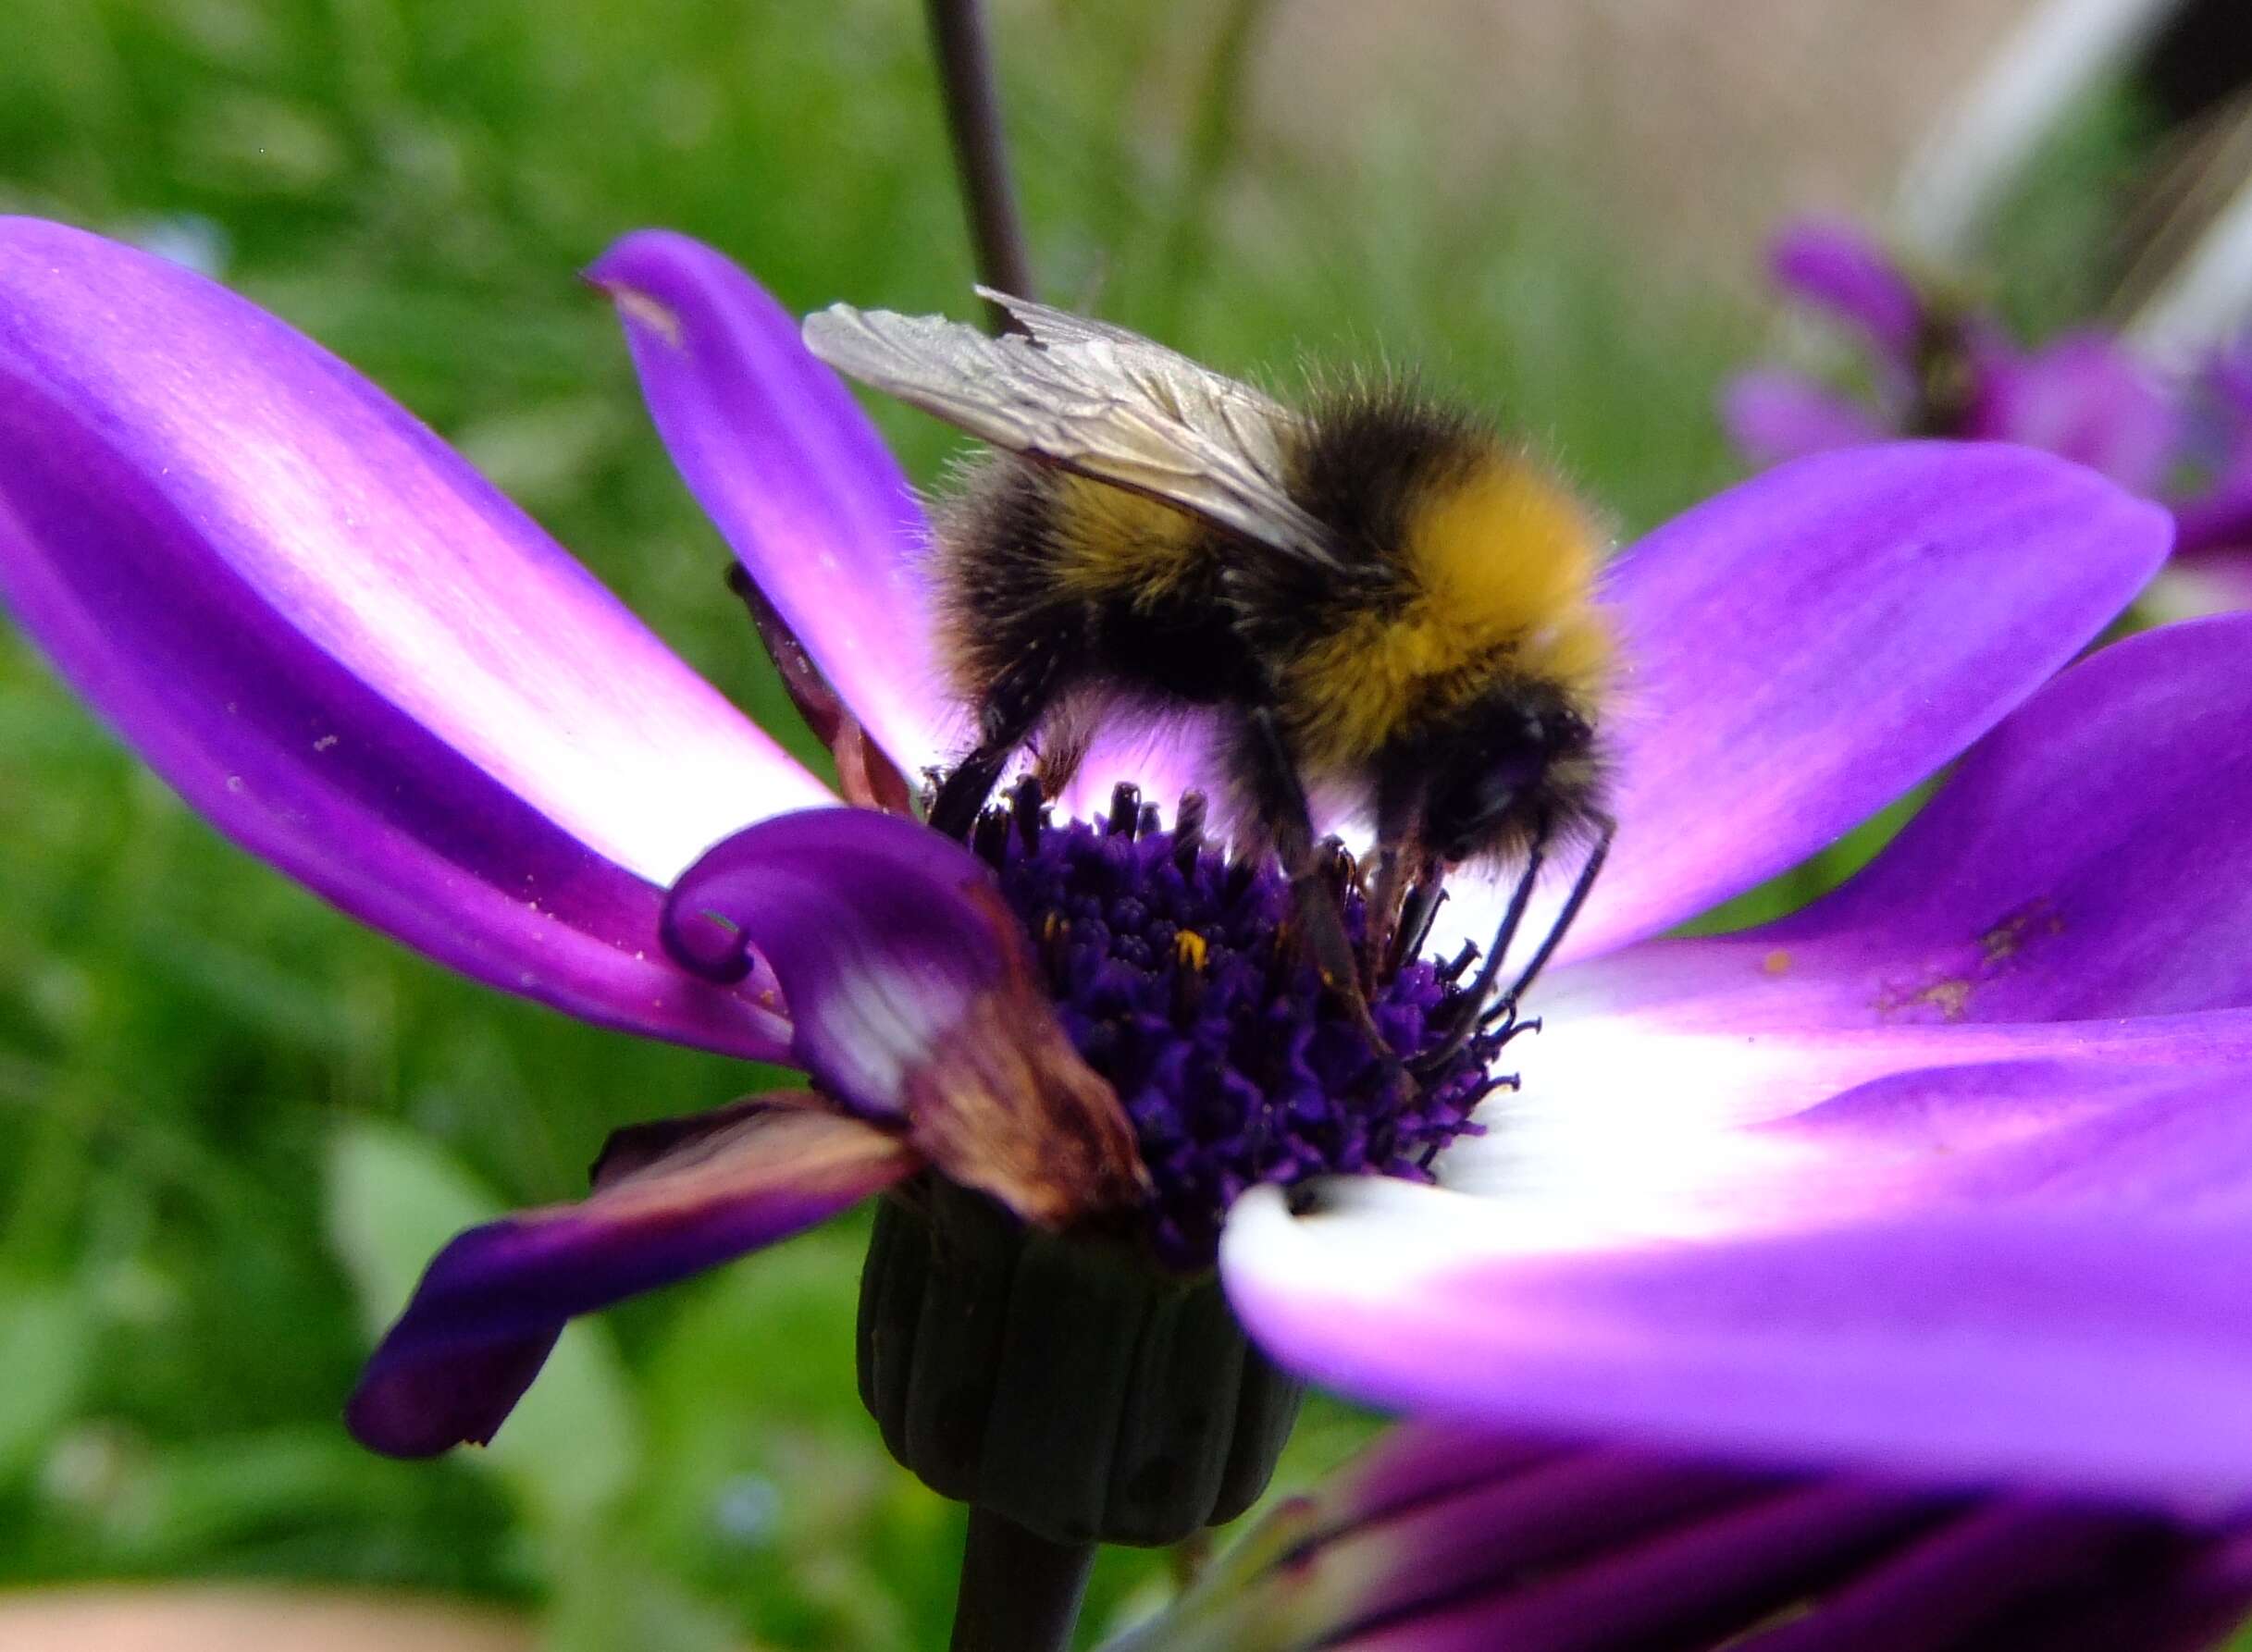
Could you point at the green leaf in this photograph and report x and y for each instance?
(574, 1444)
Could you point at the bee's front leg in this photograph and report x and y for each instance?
(1272, 780)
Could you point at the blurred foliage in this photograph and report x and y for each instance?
(232, 1124)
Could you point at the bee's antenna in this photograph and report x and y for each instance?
(1572, 903)
(1474, 1016)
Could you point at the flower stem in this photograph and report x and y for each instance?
(981, 151)
(1019, 1592)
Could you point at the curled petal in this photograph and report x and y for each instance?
(669, 1201)
(349, 651)
(1803, 648)
(782, 459)
(1772, 415)
(1440, 1536)
(2077, 1347)
(1837, 269)
(912, 1001)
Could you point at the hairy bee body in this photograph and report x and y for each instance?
(1376, 597)
(1464, 580)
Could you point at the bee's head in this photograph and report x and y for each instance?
(1515, 764)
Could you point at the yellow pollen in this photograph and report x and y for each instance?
(1189, 947)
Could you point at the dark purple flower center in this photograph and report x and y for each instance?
(1173, 975)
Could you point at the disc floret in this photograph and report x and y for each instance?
(1175, 975)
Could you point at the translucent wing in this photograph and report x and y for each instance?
(1094, 398)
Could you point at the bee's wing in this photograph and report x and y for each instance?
(1094, 399)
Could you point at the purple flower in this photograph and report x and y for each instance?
(1944, 1176)
(1937, 367)
(2212, 568)
(1439, 1538)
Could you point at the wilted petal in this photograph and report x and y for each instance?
(1803, 648)
(347, 650)
(2076, 1348)
(669, 1201)
(1837, 269)
(782, 459)
(1645, 1550)
(1773, 416)
(912, 1001)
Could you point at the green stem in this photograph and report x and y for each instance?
(1019, 1592)
(981, 149)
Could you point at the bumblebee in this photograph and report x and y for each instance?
(1379, 598)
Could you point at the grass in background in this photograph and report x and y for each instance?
(231, 1123)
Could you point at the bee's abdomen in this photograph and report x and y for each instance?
(1121, 588)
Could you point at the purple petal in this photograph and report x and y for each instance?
(912, 1001)
(1772, 415)
(1805, 648)
(2083, 398)
(669, 1201)
(1440, 1538)
(2146, 1118)
(2074, 1347)
(1837, 268)
(2218, 519)
(782, 459)
(2091, 857)
(349, 652)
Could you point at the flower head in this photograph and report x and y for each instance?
(1945, 1173)
(1939, 365)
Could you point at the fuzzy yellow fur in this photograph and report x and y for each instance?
(1111, 542)
(1502, 569)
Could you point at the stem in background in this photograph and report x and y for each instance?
(1019, 1592)
(1215, 123)
(981, 151)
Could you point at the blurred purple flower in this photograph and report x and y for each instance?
(1443, 1539)
(1938, 368)
(1947, 1176)
(2211, 571)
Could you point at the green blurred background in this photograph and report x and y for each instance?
(233, 1126)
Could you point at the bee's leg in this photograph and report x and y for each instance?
(1281, 802)
(1401, 861)
(1012, 710)
(1381, 915)
(1424, 896)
